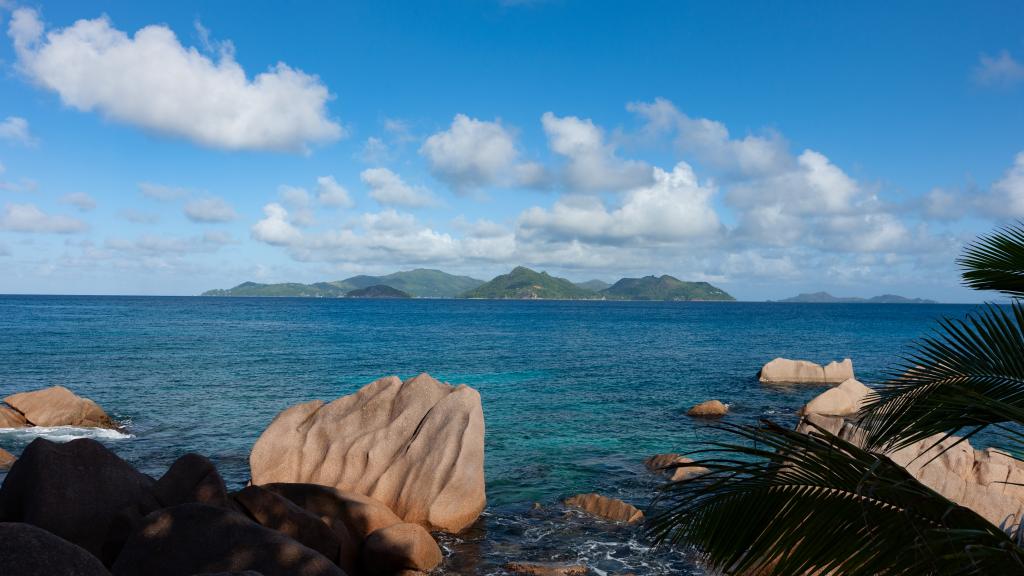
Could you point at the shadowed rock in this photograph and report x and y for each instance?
(359, 515)
(416, 446)
(278, 513)
(611, 509)
(399, 547)
(709, 409)
(192, 478)
(196, 538)
(58, 406)
(72, 490)
(27, 550)
(786, 371)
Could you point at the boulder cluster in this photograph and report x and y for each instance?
(346, 488)
(786, 371)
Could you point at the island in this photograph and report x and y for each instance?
(377, 291)
(525, 284)
(826, 298)
(664, 287)
(418, 283)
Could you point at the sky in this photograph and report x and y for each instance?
(770, 148)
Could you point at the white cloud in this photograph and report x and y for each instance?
(592, 164)
(15, 129)
(375, 151)
(29, 218)
(473, 153)
(152, 81)
(79, 200)
(1006, 199)
(330, 193)
(210, 209)
(675, 207)
(388, 188)
(161, 192)
(137, 217)
(275, 228)
(1001, 70)
(299, 205)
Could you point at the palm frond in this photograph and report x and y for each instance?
(782, 503)
(996, 261)
(967, 376)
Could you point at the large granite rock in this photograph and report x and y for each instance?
(11, 418)
(987, 481)
(416, 446)
(708, 409)
(196, 538)
(192, 478)
(786, 371)
(72, 490)
(58, 406)
(610, 509)
(359, 515)
(27, 550)
(843, 400)
(399, 547)
(665, 464)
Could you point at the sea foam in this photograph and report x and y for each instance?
(62, 433)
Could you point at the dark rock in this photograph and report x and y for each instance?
(27, 550)
(278, 513)
(72, 490)
(197, 538)
(192, 478)
(361, 515)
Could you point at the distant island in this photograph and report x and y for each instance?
(377, 291)
(520, 284)
(826, 298)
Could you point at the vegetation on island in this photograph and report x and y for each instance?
(594, 285)
(663, 288)
(525, 284)
(377, 291)
(775, 501)
(826, 298)
(293, 289)
(420, 283)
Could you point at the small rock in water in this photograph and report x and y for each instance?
(611, 509)
(58, 406)
(709, 409)
(546, 569)
(663, 464)
(786, 371)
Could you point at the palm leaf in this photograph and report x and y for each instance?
(783, 503)
(996, 262)
(968, 375)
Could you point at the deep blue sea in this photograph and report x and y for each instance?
(575, 394)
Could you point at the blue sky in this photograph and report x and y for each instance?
(770, 148)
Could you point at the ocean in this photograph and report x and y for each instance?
(575, 394)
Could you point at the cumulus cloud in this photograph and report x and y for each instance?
(330, 193)
(15, 130)
(388, 188)
(1006, 199)
(209, 210)
(473, 153)
(591, 163)
(161, 192)
(29, 218)
(80, 200)
(151, 80)
(275, 228)
(138, 217)
(1002, 70)
(299, 205)
(674, 207)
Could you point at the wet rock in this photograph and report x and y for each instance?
(546, 569)
(611, 509)
(665, 464)
(843, 400)
(72, 490)
(58, 406)
(708, 409)
(358, 514)
(196, 539)
(786, 371)
(397, 548)
(278, 513)
(27, 550)
(416, 446)
(6, 459)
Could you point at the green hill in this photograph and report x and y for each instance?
(593, 285)
(826, 298)
(422, 283)
(663, 288)
(525, 284)
(318, 290)
(377, 291)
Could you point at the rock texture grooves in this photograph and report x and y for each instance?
(416, 446)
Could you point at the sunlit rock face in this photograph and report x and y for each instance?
(417, 446)
(786, 371)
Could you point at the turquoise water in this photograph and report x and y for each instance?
(575, 394)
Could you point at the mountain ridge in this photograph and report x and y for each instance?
(823, 297)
